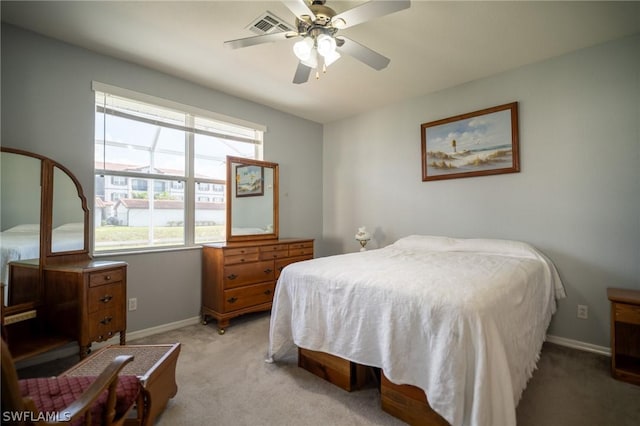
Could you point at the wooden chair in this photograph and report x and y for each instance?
(105, 400)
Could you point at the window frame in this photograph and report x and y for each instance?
(188, 181)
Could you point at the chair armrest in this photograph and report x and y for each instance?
(107, 379)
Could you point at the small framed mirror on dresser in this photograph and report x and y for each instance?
(53, 292)
(239, 275)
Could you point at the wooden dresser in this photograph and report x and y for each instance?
(625, 334)
(101, 291)
(240, 277)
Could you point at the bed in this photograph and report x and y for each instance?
(462, 319)
(22, 242)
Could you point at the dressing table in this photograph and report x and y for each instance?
(239, 276)
(53, 291)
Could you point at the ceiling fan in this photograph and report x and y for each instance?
(318, 25)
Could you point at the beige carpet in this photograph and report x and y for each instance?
(224, 381)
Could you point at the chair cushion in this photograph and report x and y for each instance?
(56, 393)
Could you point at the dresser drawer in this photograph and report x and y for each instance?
(627, 313)
(106, 296)
(249, 273)
(105, 277)
(248, 296)
(241, 255)
(301, 249)
(274, 254)
(105, 323)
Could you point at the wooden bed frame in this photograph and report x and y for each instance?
(405, 402)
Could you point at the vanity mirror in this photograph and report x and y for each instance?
(252, 199)
(43, 220)
(55, 292)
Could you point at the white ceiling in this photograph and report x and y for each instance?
(432, 45)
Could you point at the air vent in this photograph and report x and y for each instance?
(269, 23)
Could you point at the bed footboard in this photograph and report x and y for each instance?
(341, 372)
(409, 404)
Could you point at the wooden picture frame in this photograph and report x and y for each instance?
(249, 181)
(479, 143)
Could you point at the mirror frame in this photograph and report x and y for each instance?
(47, 256)
(231, 180)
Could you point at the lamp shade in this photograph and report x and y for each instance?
(312, 60)
(303, 48)
(363, 234)
(326, 45)
(331, 57)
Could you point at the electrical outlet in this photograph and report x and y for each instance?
(583, 311)
(133, 304)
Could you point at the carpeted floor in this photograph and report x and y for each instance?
(224, 381)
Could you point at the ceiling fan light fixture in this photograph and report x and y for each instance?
(312, 60)
(331, 57)
(326, 44)
(303, 48)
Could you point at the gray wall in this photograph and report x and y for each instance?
(577, 197)
(47, 108)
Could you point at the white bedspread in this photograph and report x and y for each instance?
(462, 319)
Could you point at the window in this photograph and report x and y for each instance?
(118, 180)
(153, 160)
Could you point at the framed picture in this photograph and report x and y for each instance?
(249, 181)
(479, 143)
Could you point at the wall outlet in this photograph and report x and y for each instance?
(583, 311)
(133, 304)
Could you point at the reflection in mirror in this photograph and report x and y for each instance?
(252, 199)
(68, 215)
(19, 210)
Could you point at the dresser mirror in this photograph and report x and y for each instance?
(44, 221)
(252, 199)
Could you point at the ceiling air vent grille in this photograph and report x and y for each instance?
(269, 23)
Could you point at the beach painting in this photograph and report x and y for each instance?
(479, 143)
(249, 181)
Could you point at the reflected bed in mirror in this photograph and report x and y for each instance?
(252, 199)
(44, 219)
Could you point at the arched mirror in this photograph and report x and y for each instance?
(252, 199)
(20, 208)
(68, 215)
(44, 221)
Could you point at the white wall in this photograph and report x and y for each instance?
(47, 108)
(577, 197)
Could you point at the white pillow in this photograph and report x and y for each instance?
(73, 226)
(495, 246)
(27, 227)
(425, 242)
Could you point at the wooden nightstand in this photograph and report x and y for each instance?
(625, 334)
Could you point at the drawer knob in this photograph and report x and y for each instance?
(232, 299)
(268, 270)
(106, 320)
(232, 276)
(267, 292)
(106, 298)
(107, 277)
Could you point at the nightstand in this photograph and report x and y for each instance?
(625, 334)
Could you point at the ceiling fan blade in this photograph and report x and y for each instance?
(299, 8)
(265, 38)
(302, 73)
(367, 11)
(363, 53)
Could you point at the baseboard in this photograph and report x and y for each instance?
(72, 348)
(576, 344)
